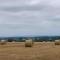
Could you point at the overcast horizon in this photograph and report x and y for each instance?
(29, 18)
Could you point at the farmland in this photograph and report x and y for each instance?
(39, 51)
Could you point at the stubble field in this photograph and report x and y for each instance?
(39, 51)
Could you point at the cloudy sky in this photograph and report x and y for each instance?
(29, 17)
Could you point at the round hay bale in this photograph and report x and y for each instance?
(32, 41)
(43, 41)
(13, 41)
(3, 42)
(57, 42)
(28, 43)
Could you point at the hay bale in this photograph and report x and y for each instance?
(3, 42)
(57, 42)
(13, 41)
(44, 41)
(28, 43)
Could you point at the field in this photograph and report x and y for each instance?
(39, 51)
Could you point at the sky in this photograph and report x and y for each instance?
(29, 17)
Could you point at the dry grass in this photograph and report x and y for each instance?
(40, 51)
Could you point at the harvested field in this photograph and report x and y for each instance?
(39, 51)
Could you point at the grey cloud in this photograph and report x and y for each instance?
(29, 17)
